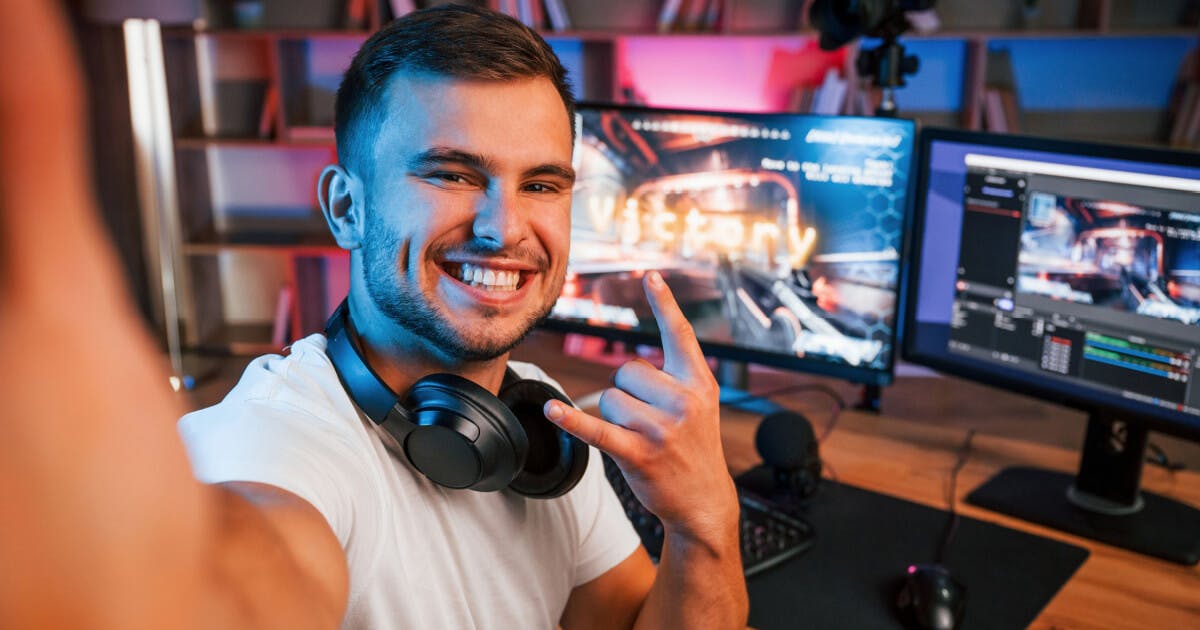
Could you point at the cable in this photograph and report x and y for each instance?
(952, 524)
(1162, 460)
(839, 403)
(786, 389)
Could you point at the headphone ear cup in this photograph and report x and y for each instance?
(464, 436)
(556, 459)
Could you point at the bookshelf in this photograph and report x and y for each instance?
(252, 111)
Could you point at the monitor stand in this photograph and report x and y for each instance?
(1102, 501)
(734, 379)
(870, 399)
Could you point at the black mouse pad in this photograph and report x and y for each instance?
(865, 540)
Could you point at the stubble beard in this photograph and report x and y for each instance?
(401, 300)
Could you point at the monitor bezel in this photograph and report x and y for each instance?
(1160, 419)
(821, 367)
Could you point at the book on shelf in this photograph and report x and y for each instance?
(669, 15)
(281, 328)
(1012, 110)
(800, 98)
(690, 16)
(831, 96)
(714, 15)
(356, 14)
(556, 15)
(1185, 104)
(530, 13)
(507, 7)
(1001, 112)
(865, 100)
(1185, 127)
(312, 307)
(400, 8)
(269, 116)
(321, 282)
(993, 111)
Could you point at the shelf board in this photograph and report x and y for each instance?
(610, 35)
(978, 33)
(1056, 33)
(184, 32)
(238, 339)
(194, 143)
(281, 242)
(613, 35)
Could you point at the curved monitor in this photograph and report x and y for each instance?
(779, 234)
(1063, 270)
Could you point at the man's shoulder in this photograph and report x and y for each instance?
(533, 372)
(528, 370)
(302, 380)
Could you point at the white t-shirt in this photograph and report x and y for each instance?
(420, 555)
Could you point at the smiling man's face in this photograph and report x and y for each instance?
(467, 226)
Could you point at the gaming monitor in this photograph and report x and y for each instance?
(1071, 272)
(779, 234)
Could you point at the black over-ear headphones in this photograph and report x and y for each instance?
(457, 433)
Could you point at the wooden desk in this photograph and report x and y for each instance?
(896, 454)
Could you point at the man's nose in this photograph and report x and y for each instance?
(500, 219)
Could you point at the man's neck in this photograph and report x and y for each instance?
(401, 358)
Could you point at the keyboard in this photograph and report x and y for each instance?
(768, 536)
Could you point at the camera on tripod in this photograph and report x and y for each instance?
(842, 21)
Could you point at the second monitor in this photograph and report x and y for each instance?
(1068, 271)
(779, 234)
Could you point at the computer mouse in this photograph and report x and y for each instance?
(930, 598)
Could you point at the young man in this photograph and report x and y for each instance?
(456, 157)
(452, 195)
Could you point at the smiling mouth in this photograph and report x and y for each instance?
(487, 278)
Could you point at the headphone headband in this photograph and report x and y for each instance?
(365, 387)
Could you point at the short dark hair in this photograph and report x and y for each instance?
(457, 41)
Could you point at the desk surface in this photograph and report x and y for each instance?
(912, 460)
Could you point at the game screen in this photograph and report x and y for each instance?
(776, 233)
(1112, 254)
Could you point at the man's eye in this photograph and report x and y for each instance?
(454, 178)
(541, 187)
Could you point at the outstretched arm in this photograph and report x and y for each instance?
(662, 429)
(101, 523)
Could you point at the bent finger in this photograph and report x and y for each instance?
(622, 409)
(648, 383)
(619, 442)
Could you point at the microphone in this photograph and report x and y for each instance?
(788, 446)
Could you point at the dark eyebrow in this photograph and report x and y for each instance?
(441, 155)
(553, 170)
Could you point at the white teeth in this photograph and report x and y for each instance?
(491, 279)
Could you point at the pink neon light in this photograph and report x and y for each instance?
(751, 74)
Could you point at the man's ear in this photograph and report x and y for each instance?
(343, 204)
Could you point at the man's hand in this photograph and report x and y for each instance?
(662, 429)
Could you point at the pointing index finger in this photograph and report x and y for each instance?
(681, 351)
